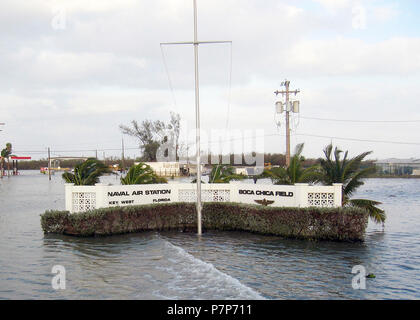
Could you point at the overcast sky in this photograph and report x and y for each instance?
(72, 71)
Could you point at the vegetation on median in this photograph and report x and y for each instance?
(86, 173)
(338, 224)
(331, 169)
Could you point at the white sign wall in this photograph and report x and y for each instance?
(83, 198)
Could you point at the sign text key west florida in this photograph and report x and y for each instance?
(83, 198)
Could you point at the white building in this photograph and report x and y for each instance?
(249, 171)
(416, 172)
(398, 166)
(165, 169)
(173, 169)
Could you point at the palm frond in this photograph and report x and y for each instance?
(141, 174)
(349, 173)
(354, 164)
(295, 172)
(278, 175)
(299, 149)
(311, 175)
(355, 181)
(87, 172)
(376, 214)
(222, 173)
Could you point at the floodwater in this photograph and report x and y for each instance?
(219, 265)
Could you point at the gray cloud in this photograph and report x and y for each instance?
(105, 68)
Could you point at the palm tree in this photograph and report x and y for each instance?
(2, 156)
(351, 175)
(142, 174)
(5, 154)
(86, 173)
(295, 172)
(223, 173)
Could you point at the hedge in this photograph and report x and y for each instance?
(339, 224)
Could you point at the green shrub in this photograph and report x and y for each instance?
(340, 224)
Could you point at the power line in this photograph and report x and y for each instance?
(230, 86)
(360, 140)
(84, 150)
(236, 139)
(229, 95)
(320, 136)
(361, 121)
(167, 74)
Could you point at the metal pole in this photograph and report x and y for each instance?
(122, 156)
(287, 125)
(197, 108)
(197, 121)
(49, 164)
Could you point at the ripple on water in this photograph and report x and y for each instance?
(221, 265)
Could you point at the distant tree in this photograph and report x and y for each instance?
(142, 174)
(275, 159)
(151, 134)
(351, 175)
(295, 172)
(175, 126)
(86, 173)
(146, 132)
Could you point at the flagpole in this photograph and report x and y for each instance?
(197, 121)
(196, 43)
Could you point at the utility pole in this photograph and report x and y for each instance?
(287, 92)
(96, 154)
(196, 43)
(49, 164)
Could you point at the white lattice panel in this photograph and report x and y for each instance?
(84, 201)
(206, 195)
(320, 199)
(216, 195)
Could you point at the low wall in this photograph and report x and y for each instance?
(83, 198)
(339, 224)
